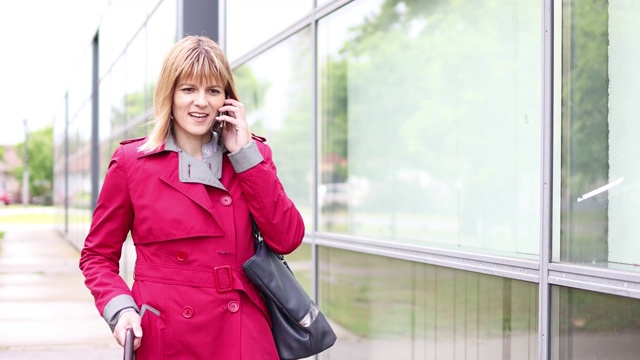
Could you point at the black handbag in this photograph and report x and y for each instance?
(299, 328)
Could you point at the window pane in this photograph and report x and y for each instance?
(276, 88)
(119, 23)
(161, 35)
(600, 199)
(588, 325)
(430, 123)
(265, 19)
(300, 263)
(135, 80)
(387, 308)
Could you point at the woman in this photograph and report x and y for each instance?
(188, 193)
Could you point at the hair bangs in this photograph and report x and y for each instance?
(201, 67)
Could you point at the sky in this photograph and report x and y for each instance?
(41, 42)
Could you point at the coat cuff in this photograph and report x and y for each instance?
(246, 157)
(111, 312)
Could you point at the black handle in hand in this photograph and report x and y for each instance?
(128, 344)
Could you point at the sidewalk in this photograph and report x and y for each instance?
(46, 312)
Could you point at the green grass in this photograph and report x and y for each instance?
(17, 214)
(1, 235)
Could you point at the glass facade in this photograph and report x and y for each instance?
(267, 18)
(588, 325)
(277, 90)
(465, 169)
(599, 203)
(418, 143)
(388, 308)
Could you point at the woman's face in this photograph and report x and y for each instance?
(195, 106)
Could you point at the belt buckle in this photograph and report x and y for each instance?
(229, 274)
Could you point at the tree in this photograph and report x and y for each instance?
(40, 155)
(585, 121)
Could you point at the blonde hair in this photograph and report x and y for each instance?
(194, 58)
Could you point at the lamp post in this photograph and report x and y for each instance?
(25, 171)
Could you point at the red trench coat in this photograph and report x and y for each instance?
(191, 240)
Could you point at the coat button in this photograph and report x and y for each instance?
(233, 306)
(181, 255)
(226, 200)
(187, 312)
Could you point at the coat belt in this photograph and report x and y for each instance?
(222, 278)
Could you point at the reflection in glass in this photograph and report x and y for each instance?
(386, 308)
(276, 88)
(430, 123)
(59, 169)
(134, 98)
(300, 263)
(268, 17)
(588, 325)
(118, 25)
(80, 86)
(161, 35)
(600, 171)
(117, 77)
(104, 109)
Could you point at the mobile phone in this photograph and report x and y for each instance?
(222, 122)
(222, 113)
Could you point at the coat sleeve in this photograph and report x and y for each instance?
(100, 256)
(279, 221)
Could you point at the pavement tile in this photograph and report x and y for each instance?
(46, 312)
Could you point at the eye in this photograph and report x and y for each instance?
(187, 89)
(214, 91)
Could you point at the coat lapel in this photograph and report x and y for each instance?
(194, 191)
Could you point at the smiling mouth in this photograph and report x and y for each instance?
(198, 115)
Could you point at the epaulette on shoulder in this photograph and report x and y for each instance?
(128, 141)
(258, 138)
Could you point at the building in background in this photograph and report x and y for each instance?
(466, 169)
(9, 162)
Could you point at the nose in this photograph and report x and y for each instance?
(201, 98)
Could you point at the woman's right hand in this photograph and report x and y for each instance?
(128, 319)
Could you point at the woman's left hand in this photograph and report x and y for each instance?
(235, 133)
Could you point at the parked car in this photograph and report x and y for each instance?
(4, 197)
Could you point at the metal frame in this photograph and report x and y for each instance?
(497, 265)
(95, 121)
(316, 160)
(546, 201)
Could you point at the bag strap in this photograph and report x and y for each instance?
(258, 239)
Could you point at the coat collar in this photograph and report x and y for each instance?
(192, 170)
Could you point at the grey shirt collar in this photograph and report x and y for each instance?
(207, 171)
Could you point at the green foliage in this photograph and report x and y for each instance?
(334, 120)
(405, 101)
(250, 90)
(585, 116)
(40, 160)
(592, 312)
(288, 132)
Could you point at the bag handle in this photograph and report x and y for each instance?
(128, 345)
(258, 240)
